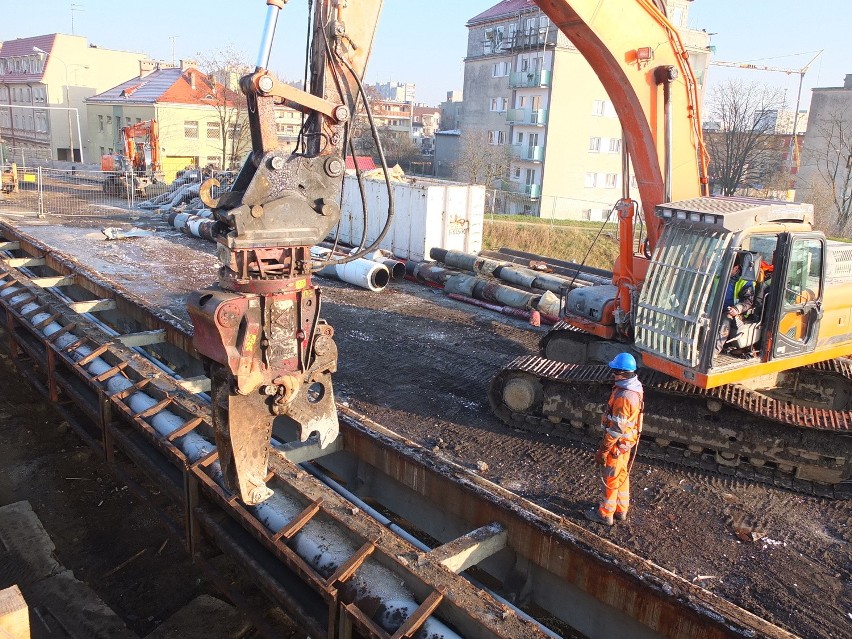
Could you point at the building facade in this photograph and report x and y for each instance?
(538, 101)
(396, 91)
(825, 170)
(43, 80)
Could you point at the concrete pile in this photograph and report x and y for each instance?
(502, 286)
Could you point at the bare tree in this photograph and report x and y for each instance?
(742, 151)
(224, 67)
(830, 187)
(480, 160)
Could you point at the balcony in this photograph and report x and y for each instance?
(528, 80)
(528, 153)
(536, 117)
(530, 190)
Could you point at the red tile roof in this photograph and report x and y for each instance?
(503, 9)
(365, 164)
(24, 47)
(166, 85)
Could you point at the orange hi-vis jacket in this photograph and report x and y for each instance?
(623, 420)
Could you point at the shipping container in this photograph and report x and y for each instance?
(428, 213)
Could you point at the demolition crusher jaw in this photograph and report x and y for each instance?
(269, 354)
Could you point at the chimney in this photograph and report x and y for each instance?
(191, 80)
(187, 64)
(847, 82)
(146, 67)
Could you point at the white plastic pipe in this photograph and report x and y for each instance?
(364, 273)
(321, 544)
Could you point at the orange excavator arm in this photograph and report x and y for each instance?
(639, 58)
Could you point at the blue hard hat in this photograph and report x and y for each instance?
(623, 362)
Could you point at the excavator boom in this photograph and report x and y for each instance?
(642, 63)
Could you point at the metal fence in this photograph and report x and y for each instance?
(500, 202)
(75, 192)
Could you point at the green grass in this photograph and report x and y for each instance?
(557, 241)
(529, 219)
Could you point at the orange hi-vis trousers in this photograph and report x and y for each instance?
(616, 480)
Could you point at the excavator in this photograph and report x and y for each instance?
(270, 355)
(142, 160)
(774, 405)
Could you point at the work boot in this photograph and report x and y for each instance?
(622, 516)
(592, 514)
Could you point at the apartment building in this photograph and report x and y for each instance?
(44, 82)
(396, 91)
(530, 90)
(825, 170)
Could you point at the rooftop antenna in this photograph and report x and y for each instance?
(173, 38)
(74, 7)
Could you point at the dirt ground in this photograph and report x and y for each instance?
(419, 363)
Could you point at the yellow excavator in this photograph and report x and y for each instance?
(774, 405)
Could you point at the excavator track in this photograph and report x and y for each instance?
(730, 430)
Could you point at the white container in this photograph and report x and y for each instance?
(429, 213)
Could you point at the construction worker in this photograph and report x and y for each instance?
(622, 424)
(739, 303)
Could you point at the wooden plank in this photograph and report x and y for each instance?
(200, 384)
(92, 307)
(18, 262)
(14, 614)
(474, 547)
(10, 246)
(50, 282)
(145, 338)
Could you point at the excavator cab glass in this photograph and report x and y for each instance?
(677, 299)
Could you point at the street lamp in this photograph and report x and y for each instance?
(67, 99)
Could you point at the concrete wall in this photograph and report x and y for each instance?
(826, 151)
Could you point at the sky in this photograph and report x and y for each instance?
(425, 41)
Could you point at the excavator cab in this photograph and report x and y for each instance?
(682, 303)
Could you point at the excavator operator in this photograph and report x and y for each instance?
(739, 303)
(622, 424)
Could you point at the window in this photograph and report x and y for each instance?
(522, 101)
(214, 161)
(493, 39)
(138, 120)
(499, 104)
(496, 137)
(109, 121)
(594, 145)
(500, 69)
(100, 124)
(614, 145)
(190, 129)
(103, 151)
(611, 180)
(591, 180)
(213, 131)
(127, 121)
(41, 122)
(520, 138)
(598, 107)
(518, 172)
